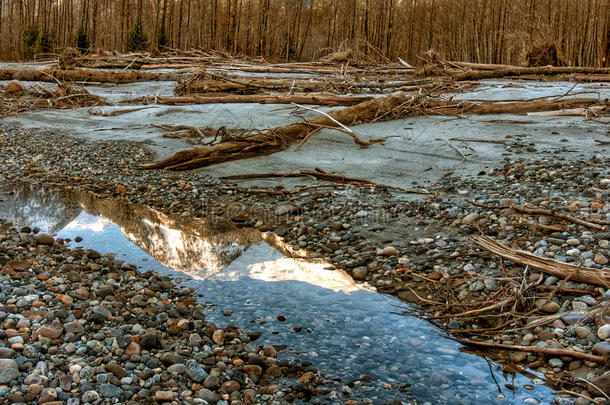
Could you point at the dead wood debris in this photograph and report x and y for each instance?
(546, 54)
(300, 98)
(322, 175)
(600, 277)
(536, 349)
(394, 106)
(68, 96)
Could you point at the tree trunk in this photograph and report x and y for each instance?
(100, 76)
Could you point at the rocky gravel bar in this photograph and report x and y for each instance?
(401, 246)
(77, 327)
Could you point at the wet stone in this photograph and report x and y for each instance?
(110, 391)
(604, 332)
(208, 396)
(149, 341)
(575, 318)
(194, 371)
(44, 239)
(601, 348)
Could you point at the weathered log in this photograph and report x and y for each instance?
(518, 71)
(206, 82)
(280, 138)
(516, 107)
(83, 75)
(600, 277)
(315, 99)
(396, 105)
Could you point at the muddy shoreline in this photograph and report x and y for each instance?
(402, 246)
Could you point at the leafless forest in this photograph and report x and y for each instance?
(484, 31)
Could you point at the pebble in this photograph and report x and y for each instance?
(389, 251)
(360, 273)
(44, 239)
(600, 259)
(194, 371)
(550, 307)
(601, 348)
(582, 331)
(105, 345)
(470, 218)
(575, 318)
(604, 332)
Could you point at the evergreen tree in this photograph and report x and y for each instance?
(162, 40)
(137, 40)
(82, 42)
(44, 43)
(31, 34)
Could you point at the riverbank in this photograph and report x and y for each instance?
(416, 249)
(80, 326)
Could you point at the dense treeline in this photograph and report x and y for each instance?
(486, 31)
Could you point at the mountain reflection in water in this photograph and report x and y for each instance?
(198, 248)
(326, 318)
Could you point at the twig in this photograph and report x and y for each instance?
(115, 112)
(536, 349)
(324, 114)
(306, 138)
(541, 211)
(552, 228)
(132, 62)
(561, 284)
(454, 148)
(551, 213)
(475, 311)
(349, 132)
(596, 387)
(496, 141)
(579, 395)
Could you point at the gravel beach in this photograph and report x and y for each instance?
(401, 245)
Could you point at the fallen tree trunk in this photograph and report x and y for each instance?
(553, 267)
(83, 75)
(516, 107)
(206, 82)
(519, 71)
(278, 139)
(320, 99)
(396, 105)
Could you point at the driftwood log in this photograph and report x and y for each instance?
(315, 99)
(600, 277)
(202, 83)
(82, 75)
(322, 175)
(394, 106)
(521, 71)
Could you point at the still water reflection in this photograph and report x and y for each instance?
(321, 315)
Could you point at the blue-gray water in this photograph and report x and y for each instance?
(345, 330)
